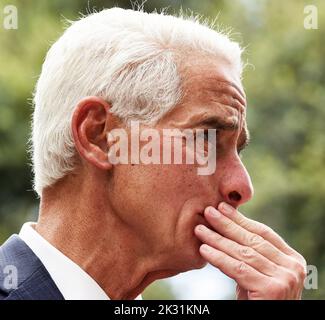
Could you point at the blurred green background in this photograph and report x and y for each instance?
(284, 82)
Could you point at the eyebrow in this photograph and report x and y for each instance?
(215, 122)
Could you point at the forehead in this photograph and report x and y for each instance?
(210, 69)
(211, 87)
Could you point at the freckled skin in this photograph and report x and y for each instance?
(163, 202)
(129, 225)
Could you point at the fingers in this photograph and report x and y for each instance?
(250, 257)
(259, 260)
(274, 282)
(258, 228)
(262, 230)
(231, 230)
(246, 276)
(236, 251)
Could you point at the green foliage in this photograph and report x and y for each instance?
(286, 116)
(284, 84)
(159, 290)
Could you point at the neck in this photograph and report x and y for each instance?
(88, 233)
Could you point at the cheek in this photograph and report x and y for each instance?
(156, 190)
(149, 188)
(168, 185)
(178, 183)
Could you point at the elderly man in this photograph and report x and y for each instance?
(107, 230)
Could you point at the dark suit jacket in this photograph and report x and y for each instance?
(34, 282)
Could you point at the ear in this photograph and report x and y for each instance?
(90, 122)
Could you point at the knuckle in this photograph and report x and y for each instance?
(291, 281)
(241, 268)
(228, 226)
(246, 252)
(298, 257)
(302, 260)
(256, 240)
(245, 222)
(301, 271)
(265, 231)
(276, 255)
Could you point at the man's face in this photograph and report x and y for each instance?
(162, 203)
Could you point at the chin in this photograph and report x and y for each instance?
(197, 260)
(200, 263)
(184, 253)
(193, 263)
(191, 259)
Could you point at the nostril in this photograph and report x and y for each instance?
(234, 196)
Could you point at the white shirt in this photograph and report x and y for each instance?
(72, 281)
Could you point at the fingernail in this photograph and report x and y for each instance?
(214, 212)
(205, 248)
(199, 228)
(226, 208)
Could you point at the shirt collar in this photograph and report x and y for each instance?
(72, 281)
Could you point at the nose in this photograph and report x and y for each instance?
(235, 186)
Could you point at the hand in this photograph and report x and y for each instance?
(259, 260)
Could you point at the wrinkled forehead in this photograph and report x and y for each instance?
(211, 89)
(205, 77)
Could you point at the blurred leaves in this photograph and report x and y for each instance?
(284, 83)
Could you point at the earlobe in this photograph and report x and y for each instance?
(89, 126)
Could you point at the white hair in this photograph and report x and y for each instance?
(126, 57)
